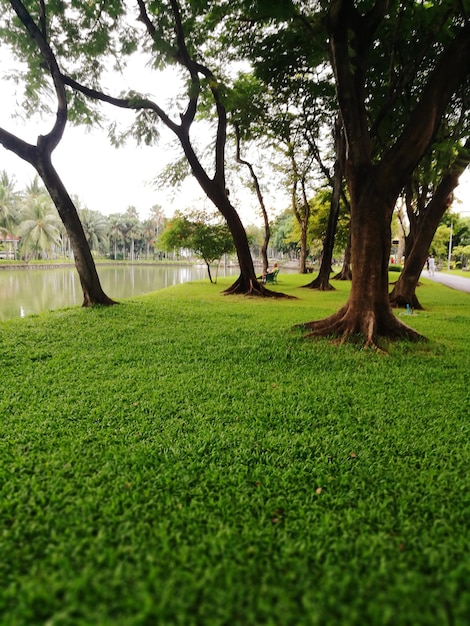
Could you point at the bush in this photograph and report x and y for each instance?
(394, 268)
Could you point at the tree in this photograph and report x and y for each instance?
(322, 282)
(95, 227)
(175, 32)
(208, 239)
(429, 218)
(283, 237)
(380, 156)
(9, 200)
(32, 39)
(39, 226)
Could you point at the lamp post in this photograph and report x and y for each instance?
(450, 246)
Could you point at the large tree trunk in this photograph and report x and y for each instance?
(89, 280)
(374, 189)
(246, 283)
(368, 311)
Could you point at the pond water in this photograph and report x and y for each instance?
(23, 292)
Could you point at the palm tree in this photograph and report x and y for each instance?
(114, 233)
(95, 226)
(127, 226)
(39, 226)
(9, 201)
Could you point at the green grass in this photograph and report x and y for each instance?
(186, 458)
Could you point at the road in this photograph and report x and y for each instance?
(455, 282)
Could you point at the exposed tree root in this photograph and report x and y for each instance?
(401, 302)
(320, 284)
(253, 288)
(104, 300)
(366, 326)
(344, 274)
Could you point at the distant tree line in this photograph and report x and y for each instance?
(31, 220)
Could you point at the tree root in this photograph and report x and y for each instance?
(254, 288)
(343, 275)
(401, 302)
(367, 326)
(104, 300)
(320, 284)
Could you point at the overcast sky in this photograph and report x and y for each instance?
(106, 178)
(110, 179)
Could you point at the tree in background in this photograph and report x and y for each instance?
(9, 203)
(96, 228)
(39, 225)
(208, 239)
(434, 201)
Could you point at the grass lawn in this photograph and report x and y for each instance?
(186, 458)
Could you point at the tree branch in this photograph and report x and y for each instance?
(24, 150)
(135, 103)
(52, 139)
(450, 72)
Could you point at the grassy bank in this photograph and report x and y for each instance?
(187, 459)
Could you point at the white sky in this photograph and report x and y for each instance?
(110, 179)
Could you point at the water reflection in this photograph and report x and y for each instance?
(23, 292)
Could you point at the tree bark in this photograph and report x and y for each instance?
(367, 312)
(84, 262)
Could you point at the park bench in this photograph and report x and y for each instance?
(271, 277)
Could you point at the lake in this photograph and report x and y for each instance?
(24, 292)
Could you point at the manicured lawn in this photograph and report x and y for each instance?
(187, 458)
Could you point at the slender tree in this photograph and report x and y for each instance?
(40, 156)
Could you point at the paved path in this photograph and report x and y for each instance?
(456, 282)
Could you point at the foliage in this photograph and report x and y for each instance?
(208, 237)
(235, 476)
(9, 201)
(440, 243)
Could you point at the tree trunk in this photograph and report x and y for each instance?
(345, 273)
(322, 281)
(89, 280)
(209, 271)
(246, 283)
(259, 194)
(404, 290)
(368, 311)
(303, 248)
